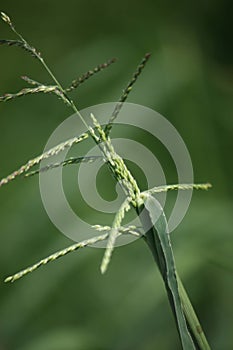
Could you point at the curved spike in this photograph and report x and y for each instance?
(52, 152)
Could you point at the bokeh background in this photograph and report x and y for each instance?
(68, 305)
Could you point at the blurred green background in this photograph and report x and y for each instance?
(68, 305)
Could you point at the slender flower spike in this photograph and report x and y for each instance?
(52, 152)
(90, 73)
(30, 81)
(22, 44)
(126, 93)
(166, 188)
(6, 19)
(43, 88)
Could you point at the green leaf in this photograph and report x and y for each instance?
(157, 237)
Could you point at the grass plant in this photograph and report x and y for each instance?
(153, 232)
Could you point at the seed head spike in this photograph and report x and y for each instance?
(6, 19)
(90, 73)
(126, 93)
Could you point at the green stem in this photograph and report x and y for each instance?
(71, 103)
(46, 67)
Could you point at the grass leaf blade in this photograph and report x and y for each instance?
(159, 243)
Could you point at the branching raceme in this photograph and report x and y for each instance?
(154, 232)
